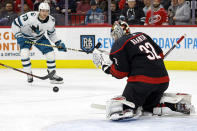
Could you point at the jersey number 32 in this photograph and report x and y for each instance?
(149, 49)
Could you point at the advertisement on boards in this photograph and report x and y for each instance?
(84, 38)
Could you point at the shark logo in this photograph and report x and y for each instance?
(35, 29)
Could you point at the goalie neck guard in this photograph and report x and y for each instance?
(119, 29)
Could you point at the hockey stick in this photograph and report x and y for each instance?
(103, 107)
(39, 77)
(54, 46)
(98, 106)
(172, 48)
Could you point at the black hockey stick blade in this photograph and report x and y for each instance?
(95, 47)
(39, 77)
(98, 45)
(50, 75)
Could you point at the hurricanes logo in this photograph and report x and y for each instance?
(154, 19)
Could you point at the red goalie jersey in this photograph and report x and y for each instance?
(160, 17)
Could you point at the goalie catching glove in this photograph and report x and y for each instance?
(102, 59)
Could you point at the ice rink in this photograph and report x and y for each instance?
(35, 107)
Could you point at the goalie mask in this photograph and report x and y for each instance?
(119, 29)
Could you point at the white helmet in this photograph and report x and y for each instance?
(119, 28)
(44, 6)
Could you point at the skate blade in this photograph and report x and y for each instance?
(30, 81)
(56, 82)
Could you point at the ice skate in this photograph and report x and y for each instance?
(29, 78)
(55, 79)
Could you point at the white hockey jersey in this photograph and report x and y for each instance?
(29, 26)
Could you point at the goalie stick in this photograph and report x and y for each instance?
(172, 48)
(39, 77)
(54, 46)
(103, 107)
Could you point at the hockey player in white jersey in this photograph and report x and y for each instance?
(31, 27)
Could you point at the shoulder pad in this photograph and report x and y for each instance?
(32, 13)
(52, 18)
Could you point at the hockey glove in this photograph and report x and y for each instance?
(61, 46)
(102, 59)
(96, 58)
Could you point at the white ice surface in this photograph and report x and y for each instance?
(35, 107)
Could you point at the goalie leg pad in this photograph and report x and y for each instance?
(113, 106)
(114, 109)
(174, 104)
(176, 97)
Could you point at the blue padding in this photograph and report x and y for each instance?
(23, 44)
(44, 49)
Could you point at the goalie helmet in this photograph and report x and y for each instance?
(119, 29)
(44, 6)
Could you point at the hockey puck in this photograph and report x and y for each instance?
(55, 89)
